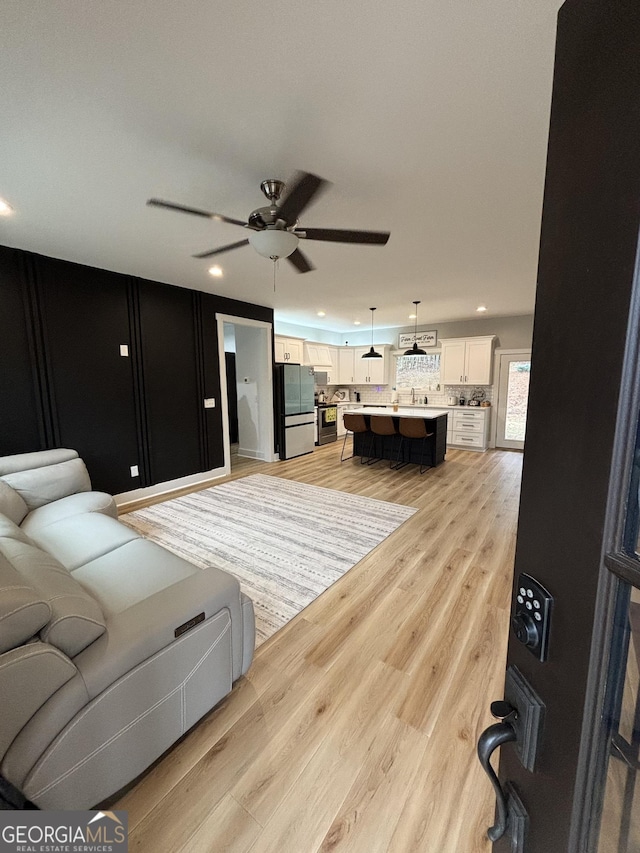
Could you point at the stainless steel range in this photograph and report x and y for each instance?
(327, 423)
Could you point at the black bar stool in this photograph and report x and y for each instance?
(382, 426)
(354, 424)
(415, 429)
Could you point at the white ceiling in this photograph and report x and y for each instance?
(429, 117)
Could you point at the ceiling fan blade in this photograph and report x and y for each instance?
(222, 249)
(306, 187)
(300, 261)
(334, 235)
(181, 208)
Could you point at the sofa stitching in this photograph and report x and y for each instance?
(23, 607)
(122, 680)
(197, 666)
(105, 744)
(51, 625)
(50, 650)
(129, 725)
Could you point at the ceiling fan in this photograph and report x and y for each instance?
(274, 229)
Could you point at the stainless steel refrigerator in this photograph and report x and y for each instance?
(294, 409)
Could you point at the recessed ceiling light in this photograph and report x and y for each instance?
(356, 322)
(215, 271)
(481, 309)
(322, 313)
(5, 208)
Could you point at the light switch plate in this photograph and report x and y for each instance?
(124, 350)
(134, 471)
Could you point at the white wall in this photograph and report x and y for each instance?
(310, 333)
(229, 337)
(512, 332)
(254, 389)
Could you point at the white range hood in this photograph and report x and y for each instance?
(317, 356)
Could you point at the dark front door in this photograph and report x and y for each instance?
(572, 669)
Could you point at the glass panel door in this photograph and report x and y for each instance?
(620, 824)
(513, 394)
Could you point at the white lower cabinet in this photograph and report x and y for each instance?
(342, 408)
(469, 428)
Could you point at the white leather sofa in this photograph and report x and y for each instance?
(111, 647)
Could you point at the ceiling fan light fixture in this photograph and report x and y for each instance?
(273, 243)
(415, 349)
(372, 353)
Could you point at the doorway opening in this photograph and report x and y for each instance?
(246, 381)
(513, 370)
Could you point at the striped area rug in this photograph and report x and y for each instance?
(285, 541)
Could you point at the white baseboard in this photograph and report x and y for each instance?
(252, 454)
(125, 498)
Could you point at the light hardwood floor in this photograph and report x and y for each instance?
(355, 728)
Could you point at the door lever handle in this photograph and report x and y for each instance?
(490, 739)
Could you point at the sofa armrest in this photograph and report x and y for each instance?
(29, 676)
(138, 632)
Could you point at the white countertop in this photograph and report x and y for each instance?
(403, 411)
(433, 406)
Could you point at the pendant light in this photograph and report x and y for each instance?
(372, 353)
(415, 349)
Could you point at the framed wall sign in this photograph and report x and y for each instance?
(423, 339)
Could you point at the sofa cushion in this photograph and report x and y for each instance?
(11, 503)
(132, 573)
(23, 611)
(78, 539)
(75, 617)
(66, 507)
(39, 486)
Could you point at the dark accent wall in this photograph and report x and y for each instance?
(64, 383)
(21, 425)
(90, 385)
(173, 391)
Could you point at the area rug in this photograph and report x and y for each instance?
(285, 541)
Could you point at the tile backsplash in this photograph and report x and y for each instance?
(383, 394)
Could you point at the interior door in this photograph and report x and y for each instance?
(572, 670)
(513, 395)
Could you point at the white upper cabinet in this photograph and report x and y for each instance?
(467, 361)
(346, 362)
(371, 371)
(333, 375)
(288, 350)
(318, 355)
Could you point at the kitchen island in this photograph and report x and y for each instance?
(387, 446)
